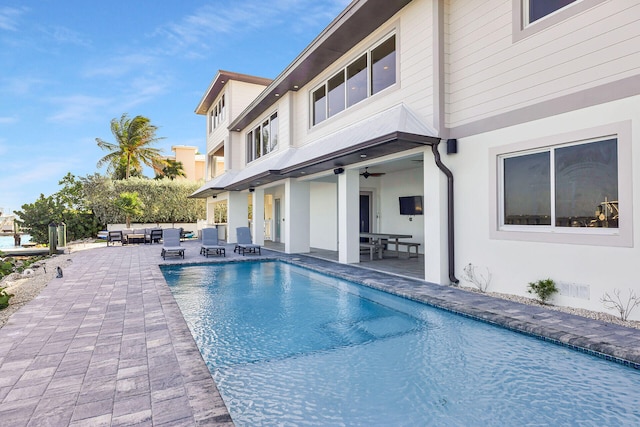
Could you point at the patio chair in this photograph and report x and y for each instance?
(210, 243)
(171, 243)
(245, 244)
(115, 236)
(154, 236)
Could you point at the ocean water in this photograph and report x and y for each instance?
(288, 346)
(7, 242)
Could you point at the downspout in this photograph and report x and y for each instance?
(450, 248)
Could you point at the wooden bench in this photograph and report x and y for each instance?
(410, 245)
(372, 247)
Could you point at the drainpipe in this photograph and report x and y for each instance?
(449, 175)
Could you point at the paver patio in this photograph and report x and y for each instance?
(107, 345)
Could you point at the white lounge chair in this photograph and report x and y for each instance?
(245, 244)
(210, 243)
(171, 243)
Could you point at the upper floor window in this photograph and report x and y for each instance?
(538, 9)
(217, 114)
(367, 75)
(573, 185)
(263, 139)
(532, 16)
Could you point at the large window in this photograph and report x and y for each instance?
(217, 114)
(367, 75)
(574, 185)
(263, 139)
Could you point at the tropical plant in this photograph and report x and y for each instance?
(4, 298)
(134, 138)
(68, 205)
(130, 205)
(543, 289)
(171, 169)
(164, 200)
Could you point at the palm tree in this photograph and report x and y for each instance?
(171, 169)
(134, 138)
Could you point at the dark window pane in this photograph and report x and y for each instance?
(586, 185)
(541, 8)
(527, 190)
(383, 64)
(250, 151)
(265, 138)
(319, 105)
(257, 142)
(274, 132)
(357, 81)
(336, 94)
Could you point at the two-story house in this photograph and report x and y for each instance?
(512, 121)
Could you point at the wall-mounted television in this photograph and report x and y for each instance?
(411, 205)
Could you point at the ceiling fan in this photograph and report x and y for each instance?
(367, 174)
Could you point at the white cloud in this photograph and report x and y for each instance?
(209, 24)
(77, 108)
(64, 35)
(21, 85)
(9, 17)
(120, 65)
(7, 121)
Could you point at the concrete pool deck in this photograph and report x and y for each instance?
(107, 345)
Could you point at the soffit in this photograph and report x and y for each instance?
(355, 23)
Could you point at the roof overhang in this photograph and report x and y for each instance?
(355, 23)
(218, 83)
(385, 145)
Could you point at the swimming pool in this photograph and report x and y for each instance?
(287, 345)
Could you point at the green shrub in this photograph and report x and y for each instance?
(543, 289)
(4, 298)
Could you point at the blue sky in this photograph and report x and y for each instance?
(67, 67)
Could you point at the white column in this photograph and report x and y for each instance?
(348, 217)
(257, 229)
(237, 213)
(435, 222)
(296, 216)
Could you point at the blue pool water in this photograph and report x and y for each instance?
(288, 346)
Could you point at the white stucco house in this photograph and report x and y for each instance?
(515, 121)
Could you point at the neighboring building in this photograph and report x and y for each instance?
(193, 163)
(528, 112)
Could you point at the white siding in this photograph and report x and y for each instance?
(489, 74)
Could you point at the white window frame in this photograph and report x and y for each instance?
(250, 139)
(522, 29)
(621, 236)
(343, 70)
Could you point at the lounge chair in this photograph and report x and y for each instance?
(171, 243)
(115, 236)
(245, 244)
(210, 243)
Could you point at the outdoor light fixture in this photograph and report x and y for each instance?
(251, 190)
(338, 171)
(452, 146)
